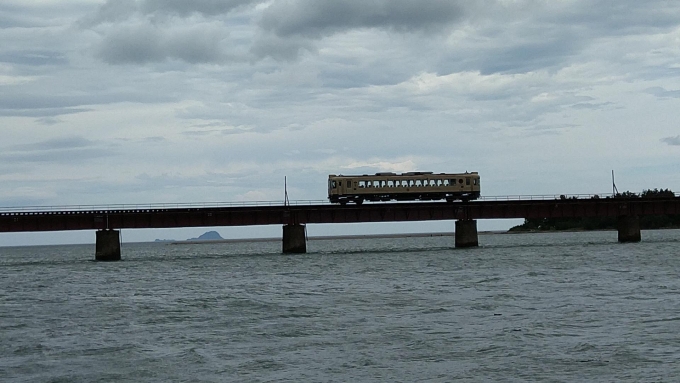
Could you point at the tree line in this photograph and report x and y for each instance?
(605, 223)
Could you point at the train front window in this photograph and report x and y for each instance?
(334, 184)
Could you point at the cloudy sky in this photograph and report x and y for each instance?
(155, 101)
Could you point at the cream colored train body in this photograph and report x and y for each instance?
(413, 186)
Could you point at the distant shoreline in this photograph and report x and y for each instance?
(379, 236)
(328, 237)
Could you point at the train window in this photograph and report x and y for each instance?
(467, 181)
(460, 181)
(474, 182)
(445, 182)
(390, 183)
(362, 184)
(340, 183)
(419, 183)
(334, 184)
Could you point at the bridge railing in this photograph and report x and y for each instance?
(196, 205)
(155, 206)
(543, 197)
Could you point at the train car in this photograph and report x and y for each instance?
(412, 186)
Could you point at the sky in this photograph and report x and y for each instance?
(172, 101)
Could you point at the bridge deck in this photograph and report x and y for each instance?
(48, 220)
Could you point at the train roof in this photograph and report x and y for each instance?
(407, 174)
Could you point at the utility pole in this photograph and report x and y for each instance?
(615, 191)
(285, 189)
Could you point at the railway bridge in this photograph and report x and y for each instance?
(295, 215)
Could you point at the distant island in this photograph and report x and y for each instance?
(207, 236)
(648, 222)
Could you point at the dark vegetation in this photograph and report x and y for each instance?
(605, 223)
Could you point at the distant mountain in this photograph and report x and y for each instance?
(207, 236)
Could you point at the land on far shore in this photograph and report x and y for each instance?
(320, 238)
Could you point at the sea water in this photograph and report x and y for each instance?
(561, 307)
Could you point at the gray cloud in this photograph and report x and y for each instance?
(120, 10)
(111, 11)
(663, 93)
(32, 103)
(674, 141)
(205, 7)
(57, 150)
(282, 49)
(195, 45)
(318, 18)
(616, 18)
(33, 57)
(591, 105)
(526, 57)
(49, 121)
(12, 17)
(54, 144)
(502, 37)
(42, 113)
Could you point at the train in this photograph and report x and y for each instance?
(411, 186)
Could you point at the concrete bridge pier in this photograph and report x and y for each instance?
(628, 227)
(466, 233)
(294, 239)
(108, 245)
